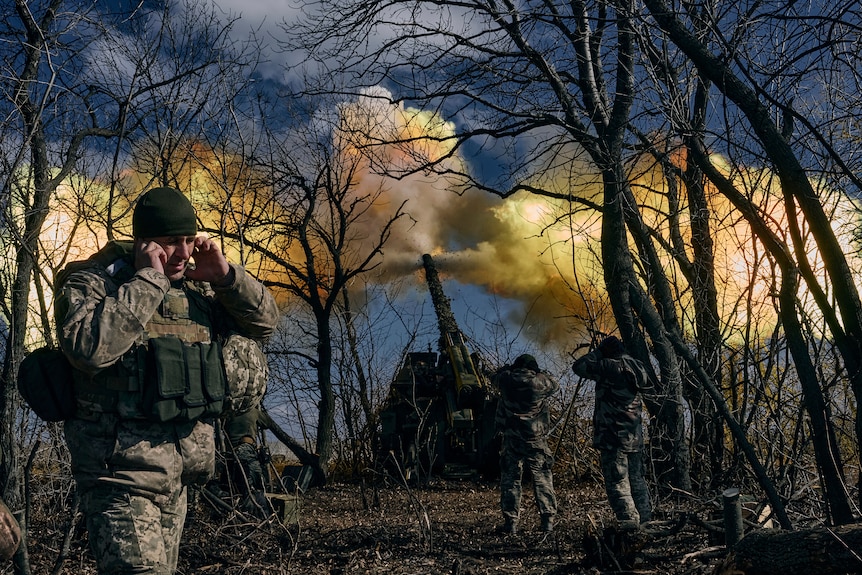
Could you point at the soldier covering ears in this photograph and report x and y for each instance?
(147, 331)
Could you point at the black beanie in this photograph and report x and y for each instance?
(526, 360)
(163, 212)
(611, 346)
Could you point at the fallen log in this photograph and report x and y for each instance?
(310, 460)
(821, 550)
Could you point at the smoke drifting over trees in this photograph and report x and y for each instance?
(668, 172)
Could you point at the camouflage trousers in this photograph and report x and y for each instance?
(131, 476)
(625, 485)
(513, 457)
(131, 533)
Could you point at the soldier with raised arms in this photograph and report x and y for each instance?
(618, 428)
(147, 325)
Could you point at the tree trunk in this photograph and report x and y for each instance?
(326, 415)
(617, 264)
(708, 431)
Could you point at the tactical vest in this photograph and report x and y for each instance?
(176, 373)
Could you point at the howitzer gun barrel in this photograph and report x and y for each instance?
(445, 318)
(451, 338)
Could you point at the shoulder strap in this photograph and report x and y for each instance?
(110, 253)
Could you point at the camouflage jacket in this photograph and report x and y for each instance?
(523, 411)
(10, 533)
(617, 414)
(102, 310)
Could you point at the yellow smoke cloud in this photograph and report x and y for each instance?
(476, 238)
(543, 252)
(509, 247)
(539, 252)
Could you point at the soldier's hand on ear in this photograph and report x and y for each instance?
(149, 254)
(210, 264)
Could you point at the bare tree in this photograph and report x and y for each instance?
(757, 96)
(311, 235)
(32, 177)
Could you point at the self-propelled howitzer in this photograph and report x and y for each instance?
(439, 416)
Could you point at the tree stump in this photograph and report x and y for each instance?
(614, 549)
(822, 550)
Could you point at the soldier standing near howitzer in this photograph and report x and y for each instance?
(146, 332)
(523, 418)
(618, 428)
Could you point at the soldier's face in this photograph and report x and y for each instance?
(178, 250)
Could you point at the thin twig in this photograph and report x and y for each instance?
(67, 538)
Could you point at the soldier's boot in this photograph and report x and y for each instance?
(547, 525)
(509, 527)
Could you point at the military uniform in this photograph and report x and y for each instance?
(10, 533)
(618, 429)
(149, 380)
(523, 419)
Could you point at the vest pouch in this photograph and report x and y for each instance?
(184, 382)
(194, 396)
(214, 379)
(204, 397)
(166, 380)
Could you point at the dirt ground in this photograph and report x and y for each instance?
(447, 527)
